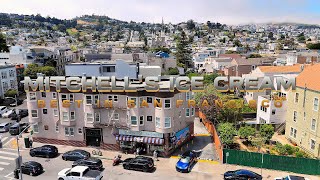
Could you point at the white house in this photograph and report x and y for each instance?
(8, 79)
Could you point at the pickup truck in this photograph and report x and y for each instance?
(79, 173)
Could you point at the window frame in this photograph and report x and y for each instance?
(65, 113)
(90, 99)
(158, 122)
(34, 95)
(165, 119)
(187, 110)
(74, 116)
(141, 120)
(314, 104)
(315, 125)
(92, 116)
(135, 120)
(314, 148)
(167, 103)
(36, 110)
(55, 110)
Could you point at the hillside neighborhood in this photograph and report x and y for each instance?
(274, 130)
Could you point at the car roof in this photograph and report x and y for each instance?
(296, 177)
(50, 146)
(2, 106)
(247, 172)
(79, 169)
(15, 125)
(33, 163)
(3, 124)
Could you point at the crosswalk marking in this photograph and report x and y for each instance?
(4, 163)
(1, 168)
(15, 150)
(8, 153)
(3, 139)
(7, 158)
(8, 142)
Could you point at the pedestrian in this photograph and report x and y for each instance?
(155, 155)
(138, 151)
(30, 141)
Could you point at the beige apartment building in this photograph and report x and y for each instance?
(303, 113)
(118, 127)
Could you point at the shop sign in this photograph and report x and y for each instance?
(140, 133)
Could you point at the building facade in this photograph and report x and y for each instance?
(118, 127)
(8, 79)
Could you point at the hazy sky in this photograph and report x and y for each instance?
(224, 11)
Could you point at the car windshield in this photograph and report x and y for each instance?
(185, 159)
(1, 127)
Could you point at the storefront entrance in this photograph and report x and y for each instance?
(93, 137)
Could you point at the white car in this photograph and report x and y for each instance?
(7, 114)
(3, 109)
(79, 173)
(291, 177)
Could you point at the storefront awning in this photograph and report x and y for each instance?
(147, 140)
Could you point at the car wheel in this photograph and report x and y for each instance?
(127, 167)
(60, 179)
(145, 170)
(189, 169)
(32, 154)
(64, 158)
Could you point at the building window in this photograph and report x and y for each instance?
(63, 97)
(167, 122)
(11, 73)
(158, 123)
(97, 117)
(296, 99)
(33, 96)
(149, 118)
(149, 99)
(115, 98)
(72, 115)
(141, 120)
(79, 130)
(96, 99)
(187, 112)
(116, 116)
(35, 128)
(295, 116)
(187, 96)
(159, 101)
(312, 144)
(108, 69)
(43, 94)
(167, 103)
(44, 111)
(34, 113)
(313, 124)
(71, 131)
(304, 115)
(5, 86)
(88, 99)
(135, 101)
(55, 112)
(273, 111)
(110, 98)
(71, 97)
(293, 132)
(65, 116)
(4, 75)
(12, 84)
(54, 95)
(57, 128)
(66, 131)
(316, 104)
(134, 120)
(193, 111)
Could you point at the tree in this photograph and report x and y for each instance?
(33, 69)
(183, 54)
(209, 79)
(237, 43)
(3, 44)
(267, 131)
(11, 93)
(173, 71)
(258, 47)
(246, 132)
(226, 133)
(254, 56)
(258, 141)
(313, 46)
(190, 24)
(270, 35)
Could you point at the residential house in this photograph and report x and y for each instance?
(8, 78)
(302, 118)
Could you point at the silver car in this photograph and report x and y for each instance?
(4, 127)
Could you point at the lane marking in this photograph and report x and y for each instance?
(4, 163)
(3, 139)
(7, 158)
(8, 153)
(1, 169)
(12, 149)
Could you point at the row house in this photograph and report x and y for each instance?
(91, 122)
(8, 78)
(302, 118)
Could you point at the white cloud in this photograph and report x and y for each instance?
(226, 11)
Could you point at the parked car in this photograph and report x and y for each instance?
(19, 102)
(47, 151)
(31, 168)
(75, 155)
(92, 163)
(19, 114)
(8, 113)
(4, 127)
(291, 177)
(139, 163)
(242, 174)
(3, 109)
(186, 161)
(80, 173)
(17, 128)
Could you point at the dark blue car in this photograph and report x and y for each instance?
(242, 174)
(186, 162)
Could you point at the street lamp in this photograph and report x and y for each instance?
(19, 156)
